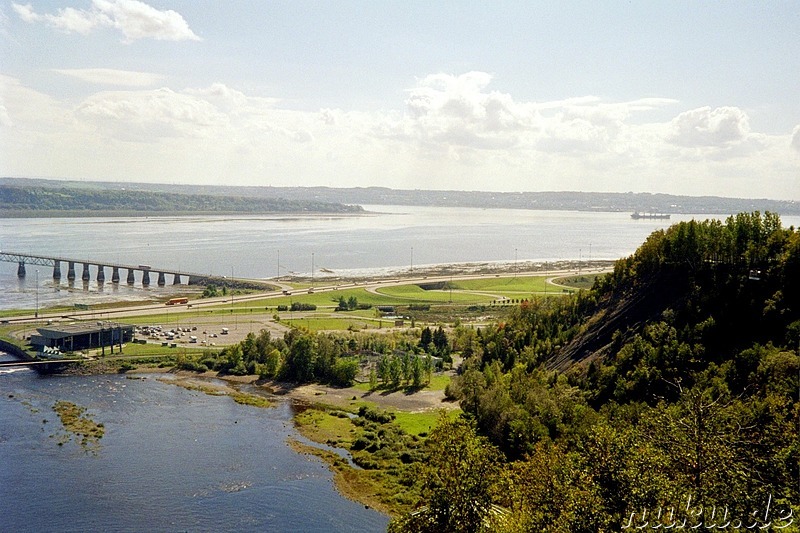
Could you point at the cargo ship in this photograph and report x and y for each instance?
(653, 216)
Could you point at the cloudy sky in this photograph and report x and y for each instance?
(683, 97)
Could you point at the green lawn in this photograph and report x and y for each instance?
(578, 281)
(320, 299)
(406, 294)
(417, 423)
(522, 284)
(154, 350)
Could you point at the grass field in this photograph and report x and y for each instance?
(505, 285)
(419, 423)
(407, 294)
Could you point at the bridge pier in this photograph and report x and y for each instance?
(131, 278)
(71, 271)
(162, 280)
(177, 279)
(21, 270)
(115, 275)
(85, 276)
(57, 270)
(145, 278)
(101, 274)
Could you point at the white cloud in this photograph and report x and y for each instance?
(105, 76)
(147, 116)
(5, 120)
(796, 138)
(706, 127)
(135, 19)
(446, 112)
(455, 132)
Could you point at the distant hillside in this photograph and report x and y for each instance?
(52, 201)
(565, 200)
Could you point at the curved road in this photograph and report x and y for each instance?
(220, 302)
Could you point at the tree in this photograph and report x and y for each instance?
(299, 364)
(344, 372)
(457, 483)
(384, 369)
(425, 338)
(271, 364)
(395, 371)
(373, 379)
(417, 371)
(440, 341)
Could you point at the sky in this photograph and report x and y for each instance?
(678, 97)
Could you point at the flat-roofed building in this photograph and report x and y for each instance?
(82, 336)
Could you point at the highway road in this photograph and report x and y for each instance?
(194, 305)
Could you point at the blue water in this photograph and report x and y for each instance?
(170, 460)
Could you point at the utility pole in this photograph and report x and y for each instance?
(36, 314)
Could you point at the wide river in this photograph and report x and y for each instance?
(392, 238)
(176, 460)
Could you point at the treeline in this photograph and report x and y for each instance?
(84, 200)
(399, 358)
(679, 406)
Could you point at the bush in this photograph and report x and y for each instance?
(381, 417)
(360, 443)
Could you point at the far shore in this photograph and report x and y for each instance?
(120, 213)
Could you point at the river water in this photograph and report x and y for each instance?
(170, 460)
(391, 238)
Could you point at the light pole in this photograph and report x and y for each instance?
(36, 313)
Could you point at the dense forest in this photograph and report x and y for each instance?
(666, 396)
(31, 201)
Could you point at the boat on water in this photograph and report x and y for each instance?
(653, 216)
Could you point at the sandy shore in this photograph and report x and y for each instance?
(341, 397)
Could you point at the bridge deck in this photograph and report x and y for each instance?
(43, 260)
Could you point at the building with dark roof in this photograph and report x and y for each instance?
(82, 336)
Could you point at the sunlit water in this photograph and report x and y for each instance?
(170, 460)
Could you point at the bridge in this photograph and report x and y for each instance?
(100, 270)
(39, 362)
